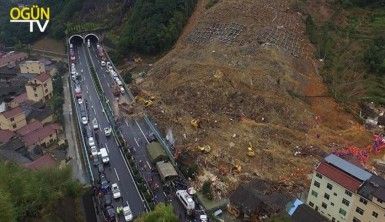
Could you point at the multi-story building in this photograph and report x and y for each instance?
(12, 119)
(39, 88)
(32, 67)
(342, 191)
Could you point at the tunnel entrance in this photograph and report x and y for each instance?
(76, 40)
(94, 39)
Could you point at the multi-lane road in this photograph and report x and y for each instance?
(117, 171)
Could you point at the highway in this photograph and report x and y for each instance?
(117, 171)
(134, 131)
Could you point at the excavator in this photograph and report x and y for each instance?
(250, 150)
(144, 101)
(195, 123)
(204, 148)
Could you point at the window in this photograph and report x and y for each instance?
(362, 200)
(311, 204)
(332, 203)
(326, 196)
(324, 205)
(329, 186)
(342, 212)
(347, 192)
(375, 214)
(359, 210)
(14, 126)
(314, 193)
(316, 183)
(46, 90)
(318, 175)
(345, 201)
(335, 194)
(12, 119)
(356, 220)
(380, 201)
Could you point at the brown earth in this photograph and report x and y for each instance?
(253, 89)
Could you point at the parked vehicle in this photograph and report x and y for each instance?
(186, 200)
(107, 199)
(109, 214)
(100, 168)
(115, 191)
(94, 151)
(104, 183)
(80, 100)
(104, 155)
(84, 120)
(91, 141)
(127, 213)
(103, 63)
(88, 43)
(95, 124)
(107, 131)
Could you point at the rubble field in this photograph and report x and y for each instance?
(243, 72)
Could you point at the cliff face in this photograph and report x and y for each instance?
(244, 70)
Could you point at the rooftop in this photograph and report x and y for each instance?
(348, 167)
(374, 187)
(306, 213)
(155, 151)
(166, 170)
(42, 162)
(6, 135)
(339, 176)
(40, 134)
(43, 77)
(29, 128)
(21, 98)
(12, 112)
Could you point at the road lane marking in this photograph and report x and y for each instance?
(117, 176)
(108, 151)
(136, 142)
(148, 164)
(142, 131)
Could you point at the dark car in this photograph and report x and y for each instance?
(96, 160)
(151, 137)
(107, 199)
(101, 168)
(109, 213)
(104, 183)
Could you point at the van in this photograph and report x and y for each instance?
(104, 155)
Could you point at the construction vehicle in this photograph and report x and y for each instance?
(146, 102)
(250, 151)
(195, 123)
(237, 168)
(204, 148)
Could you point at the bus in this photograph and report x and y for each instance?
(186, 200)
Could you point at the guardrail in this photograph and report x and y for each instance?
(110, 117)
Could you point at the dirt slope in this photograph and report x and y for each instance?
(244, 69)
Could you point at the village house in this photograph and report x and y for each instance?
(12, 119)
(32, 67)
(44, 136)
(40, 88)
(11, 58)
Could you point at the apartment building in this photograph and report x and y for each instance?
(32, 67)
(39, 88)
(342, 191)
(12, 119)
(11, 58)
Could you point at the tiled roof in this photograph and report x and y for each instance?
(45, 161)
(40, 134)
(21, 98)
(43, 77)
(29, 128)
(12, 112)
(6, 135)
(339, 176)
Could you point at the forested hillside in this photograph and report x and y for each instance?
(26, 194)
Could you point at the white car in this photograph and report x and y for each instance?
(91, 141)
(84, 120)
(80, 100)
(127, 213)
(115, 190)
(122, 90)
(103, 63)
(95, 124)
(107, 131)
(94, 151)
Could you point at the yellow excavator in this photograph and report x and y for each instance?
(146, 102)
(204, 148)
(195, 123)
(250, 150)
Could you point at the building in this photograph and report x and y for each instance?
(6, 136)
(32, 67)
(43, 136)
(11, 58)
(342, 191)
(12, 119)
(43, 162)
(257, 198)
(39, 88)
(18, 100)
(305, 213)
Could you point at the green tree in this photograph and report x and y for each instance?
(128, 78)
(206, 190)
(161, 213)
(375, 57)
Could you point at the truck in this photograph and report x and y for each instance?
(104, 155)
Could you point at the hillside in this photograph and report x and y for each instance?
(245, 70)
